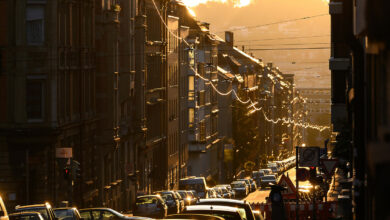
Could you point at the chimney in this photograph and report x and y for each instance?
(229, 38)
(269, 65)
(243, 48)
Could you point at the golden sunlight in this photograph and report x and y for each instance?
(241, 3)
(236, 3)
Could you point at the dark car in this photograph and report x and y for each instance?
(171, 200)
(226, 212)
(194, 216)
(104, 214)
(240, 188)
(26, 216)
(267, 179)
(231, 203)
(150, 206)
(253, 185)
(67, 213)
(229, 189)
(181, 200)
(248, 183)
(256, 175)
(188, 197)
(44, 209)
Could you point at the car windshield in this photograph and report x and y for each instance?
(167, 196)
(268, 178)
(63, 213)
(196, 187)
(41, 210)
(146, 201)
(183, 194)
(238, 185)
(178, 195)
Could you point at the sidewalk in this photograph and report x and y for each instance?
(344, 202)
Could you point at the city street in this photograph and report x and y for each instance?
(260, 195)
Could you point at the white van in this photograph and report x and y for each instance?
(3, 211)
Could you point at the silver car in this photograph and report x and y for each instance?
(150, 206)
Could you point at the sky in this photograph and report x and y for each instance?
(249, 24)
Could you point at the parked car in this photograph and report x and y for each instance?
(266, 171)
(171, 200)
(181, 200)
(211, 193)
(45, 210)
(267, 179)
(150, 206)
(226, 212)
(248, 183)
(104, 214)
(256, 176)
(225, 193)
(194, 183)
(188, 196)
(67, 213)
(3, 210)
(25, 216)
(229, 188)
(240, 188)
(253, 185)
(194, 216)
(231, 203)
(218, 191)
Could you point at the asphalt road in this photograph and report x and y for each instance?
(261, 194)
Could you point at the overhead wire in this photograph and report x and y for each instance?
(278, 22)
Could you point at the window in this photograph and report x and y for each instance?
(202, 131)
(35, 24)
(191, 117)
(201, 98)
(191, 94)
(35, 99)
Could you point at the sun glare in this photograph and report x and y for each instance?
(235, 3)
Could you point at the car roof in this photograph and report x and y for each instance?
(25, 213)
(33, 206)
(238, 181)
(146, 196)
(212, 207)
(233, 201)
(101, 208)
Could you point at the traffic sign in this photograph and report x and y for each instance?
(64, 152)
(309, 156)
(291, 191)
(302, 174)
(329, 166)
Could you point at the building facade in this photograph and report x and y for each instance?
(49, 100)
(360, 68)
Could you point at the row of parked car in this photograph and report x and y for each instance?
(210, 208)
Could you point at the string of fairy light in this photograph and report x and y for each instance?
(252, 105)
